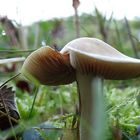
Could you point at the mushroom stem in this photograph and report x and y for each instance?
(92, 108)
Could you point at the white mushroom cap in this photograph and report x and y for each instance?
(93, 56)
(48, 67)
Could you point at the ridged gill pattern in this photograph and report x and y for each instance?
(93, 56)
(49, 67)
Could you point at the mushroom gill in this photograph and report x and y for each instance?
(91, 55)
(48, 67)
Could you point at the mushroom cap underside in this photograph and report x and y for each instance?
(93, 56)
(48, 67)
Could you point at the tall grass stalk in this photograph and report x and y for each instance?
(35, 92)
(131, 38)
(76, 17)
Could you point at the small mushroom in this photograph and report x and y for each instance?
(48, 67)
(87, 61)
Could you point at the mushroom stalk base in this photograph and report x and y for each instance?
(92, 108)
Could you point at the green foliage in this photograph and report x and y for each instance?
(135, 23)
(52, 135)
(123, 109)
(122, 106)
(49, 101)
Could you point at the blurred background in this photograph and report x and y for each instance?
(28, 24)
(34, 23)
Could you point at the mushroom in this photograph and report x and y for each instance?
(87, 61)
(95, 60)
(48, 67)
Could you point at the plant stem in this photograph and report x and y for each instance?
(36, 91)
(17, 51)
(9, 80)
(131, 38)
(92, 121)
(77, 23)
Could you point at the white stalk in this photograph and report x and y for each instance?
(11, 60)
(91, 107)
